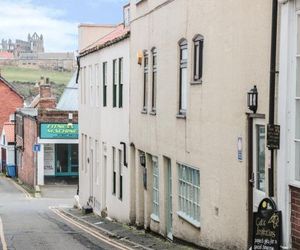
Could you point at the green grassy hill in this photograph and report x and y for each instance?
(24, 80)
(15, 74)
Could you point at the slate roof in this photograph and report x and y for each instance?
(120, 33)
(69, 99)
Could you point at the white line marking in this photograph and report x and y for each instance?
(98, 223)
(90, 231)
(4, 246)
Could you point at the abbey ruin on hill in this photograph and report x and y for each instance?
(31, 54)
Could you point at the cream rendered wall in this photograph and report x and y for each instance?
(110, 126)
(236, 57)
(90, 33)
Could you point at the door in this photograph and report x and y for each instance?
(169, 211)
(66, 159)
(91, 176)
(259, 162)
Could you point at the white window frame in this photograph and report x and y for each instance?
(186, 188)
(155, 189)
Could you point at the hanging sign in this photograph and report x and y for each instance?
(267, 225)
(58, 131)
(273, 136)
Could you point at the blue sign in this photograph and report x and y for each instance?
(36, 147)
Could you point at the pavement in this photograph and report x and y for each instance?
(139, 238)
(51, 222)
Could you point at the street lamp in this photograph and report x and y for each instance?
(252, 100)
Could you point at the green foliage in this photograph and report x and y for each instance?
(16, 74)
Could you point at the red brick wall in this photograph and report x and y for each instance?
(295, 217)
(9, 102)
(26, 171)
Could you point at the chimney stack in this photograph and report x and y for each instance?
(47, 101)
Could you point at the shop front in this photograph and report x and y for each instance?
(58, 155)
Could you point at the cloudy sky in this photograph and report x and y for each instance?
(57, 20)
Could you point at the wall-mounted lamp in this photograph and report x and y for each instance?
(70, 119)
(139, 57)
(252, 99)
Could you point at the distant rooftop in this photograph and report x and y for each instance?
(69, 99)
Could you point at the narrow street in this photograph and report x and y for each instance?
(30, 223)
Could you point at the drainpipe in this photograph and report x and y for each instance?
(78, 68)
(272, 90)
(15, 147)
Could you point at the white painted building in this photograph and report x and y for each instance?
(104, 175)
(288, 157)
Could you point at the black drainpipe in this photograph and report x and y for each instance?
(15, 147)
(272, 89)
(78, 68)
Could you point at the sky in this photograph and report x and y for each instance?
(57, 20)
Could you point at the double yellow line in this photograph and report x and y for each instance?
(27, 195)
(91, 231)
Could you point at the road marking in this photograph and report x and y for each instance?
(98, 223)
(27, 195)
(91, 231)
(4, 245)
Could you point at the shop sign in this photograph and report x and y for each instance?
(273, 136)
(267, 225)
(58, 131)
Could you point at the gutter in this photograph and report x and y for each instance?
(273, 73)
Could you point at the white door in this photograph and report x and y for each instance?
(259, 162)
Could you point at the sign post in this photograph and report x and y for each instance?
(267, 225)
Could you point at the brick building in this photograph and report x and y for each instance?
(53, 134)
(10, 100)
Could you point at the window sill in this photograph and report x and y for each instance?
(144, 111)
(295, 183)
(154, 218)
(198, 82)
(181, 116)
(189, 219)
(152, 112)
(139, 1)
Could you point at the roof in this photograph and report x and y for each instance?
(120, 33)
(69, 99)
(28, 111)
(9, 131)
(6, 55)
(2, 79)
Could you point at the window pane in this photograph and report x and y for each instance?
(184, 54)
(260, 157)
(183, 88)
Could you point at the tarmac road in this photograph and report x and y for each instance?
(28, 223)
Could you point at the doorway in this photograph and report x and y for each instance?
(169, 210)
(66, 159)
(259, 162)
